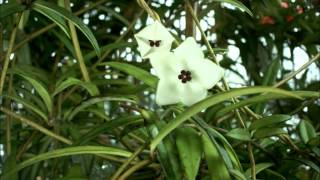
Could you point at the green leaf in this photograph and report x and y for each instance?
(237, 4)
(93, 101)
(269, 121)
(53, 10)
(307, 131)
(210, 101)
(96, 150)
(29, 106)
(134, 71)
(42, 91)
(189, 148)
(109, 126)
(10, 163)
(90, 87)
(259, 167)
(216, 165)
(267, 132)
(12, 7)
(53, 17)
(66, 42)
(109, 47)
(215, 136)
(239, 134)
(166, 151)
(265, 97)
(237, 174)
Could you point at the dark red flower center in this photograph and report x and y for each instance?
(155, 43)
(185, 76)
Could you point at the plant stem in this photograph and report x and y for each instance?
(8, 118)
(134, 169)
(294, 73)
(252, 162)
(76, 45)
(36, 126)
(127, 163)
(9, 51)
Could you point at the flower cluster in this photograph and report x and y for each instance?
(185, 74)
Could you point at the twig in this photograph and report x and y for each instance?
(135, 168)
(294, 73)
(127, 163)
(76, 46)
(9, 51)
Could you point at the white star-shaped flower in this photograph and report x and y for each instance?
(185, 75)
(153, 38)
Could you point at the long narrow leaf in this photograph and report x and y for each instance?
(218, 98)
(52, 9)
(71, 151)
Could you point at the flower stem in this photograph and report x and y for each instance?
(76, 45)
(135, 168)
(128, 162)
(9, 51)
(252, 162)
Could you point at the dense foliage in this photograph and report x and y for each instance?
(77, 101)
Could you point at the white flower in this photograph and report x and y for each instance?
(185, 75)
(153, 38)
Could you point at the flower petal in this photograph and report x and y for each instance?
(167, 92)
(166, 64)
(147, 39)
(189, 50)
(191, 92)
(207, 72)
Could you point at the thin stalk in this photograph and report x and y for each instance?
(26, 144)
(134, 168)
(8, 118)
(252, 162)
(76, 45)
(36, 126)
(9, 51)
(33, 35)
(127, 163)
(1, 45)
(294, 73)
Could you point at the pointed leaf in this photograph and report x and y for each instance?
(51, 10)
(210, 101)
(90, 87)
(189, 148)
(267, 132)
(41, 90)
(68, 152)
(237, 4)
(134, 71)
(239, 134)
(259, 167)
(216, 165)
(269, 121)
(307, 131)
